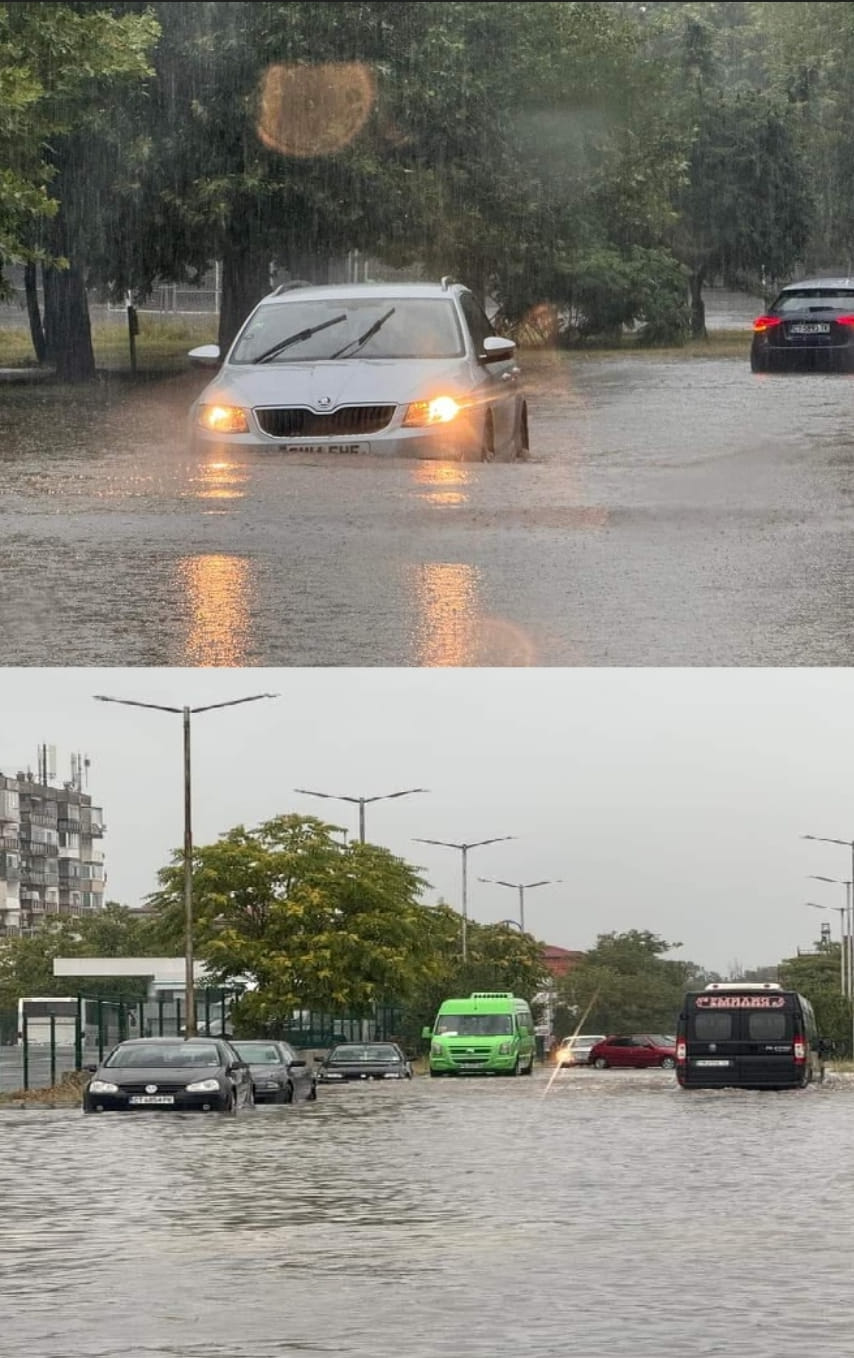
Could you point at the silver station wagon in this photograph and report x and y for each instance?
(409, 370)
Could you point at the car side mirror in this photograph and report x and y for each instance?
(496, 348)
(426, 1033)
(205, 356)
(90, 1069)
(299, 1062)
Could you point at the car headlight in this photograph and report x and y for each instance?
(437, 1049)
(102, 1087)
(223, 419)
(441, 410)
(203, 1086)
(504, 1049)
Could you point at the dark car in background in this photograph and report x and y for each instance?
(365, 1061)
(203, 1074)
(639, 1051)
(279, 1074)
(810, 325)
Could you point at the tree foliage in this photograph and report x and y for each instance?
(817, 976)
(627, 984)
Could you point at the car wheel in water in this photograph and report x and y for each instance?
(759, 363)
(668, 1063)
(487, 447)
(600, 1063)
(529, 1069)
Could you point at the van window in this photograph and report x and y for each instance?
(715, 1026)
(474, 1025)
(769, 1025)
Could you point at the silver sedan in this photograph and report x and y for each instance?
(410, 370)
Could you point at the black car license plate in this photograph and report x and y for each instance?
(339, 449)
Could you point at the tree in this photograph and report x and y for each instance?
(63, 65)
(299, 918)
(626, 984)
(816, 977)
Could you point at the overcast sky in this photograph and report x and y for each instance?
(670, 800)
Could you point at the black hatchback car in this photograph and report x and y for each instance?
(279, 1074)
(203, 1074)
(365, 1061)
(810, 325)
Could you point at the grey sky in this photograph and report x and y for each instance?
(670, 800)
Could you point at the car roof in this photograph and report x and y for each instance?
(833, 281)
(200, 1037)
(331, 291)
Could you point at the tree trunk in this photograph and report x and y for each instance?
(698, 306)
(33, 313)
(67, 329)
(245, 280)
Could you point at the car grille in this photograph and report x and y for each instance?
(287, 422)
(167, 1087)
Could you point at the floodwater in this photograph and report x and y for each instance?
(614, 1215)
(676, 512)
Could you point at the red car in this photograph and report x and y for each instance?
(640, 1050)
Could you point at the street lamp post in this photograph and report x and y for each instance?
(464, 850)
(521, 887)
(186, 713)
(361, 802)
(849, 950)
(842, 911)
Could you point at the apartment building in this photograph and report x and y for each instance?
(51, 862)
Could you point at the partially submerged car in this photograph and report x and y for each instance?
(279, 1074)
(365, 1061)
(199, 1074)
(405, 370)
(809, 325)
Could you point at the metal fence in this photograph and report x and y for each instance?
(46, 1049)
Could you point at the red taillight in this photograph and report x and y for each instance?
(681, 1051)
(844, 320)
(800, 1050)
(766, 322)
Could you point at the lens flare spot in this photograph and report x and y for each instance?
(317, 110)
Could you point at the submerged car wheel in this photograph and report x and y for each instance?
(285, 1094)
(600, 1063)
(668, 1063)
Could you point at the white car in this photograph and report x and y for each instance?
(404, 370)
(574, 1051)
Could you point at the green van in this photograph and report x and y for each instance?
(490, 1033)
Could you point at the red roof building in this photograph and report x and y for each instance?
(560, 960)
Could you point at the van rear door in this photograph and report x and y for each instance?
(742, 1040)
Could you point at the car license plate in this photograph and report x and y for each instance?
(810, 328)
(342, 449)
(151, 1098)
(711, 1063)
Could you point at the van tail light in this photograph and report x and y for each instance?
(766, 323)
(681, 1051)
(800, 1049)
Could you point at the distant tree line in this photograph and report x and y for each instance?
(588, 165)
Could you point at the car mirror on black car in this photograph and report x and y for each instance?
(298, 1062)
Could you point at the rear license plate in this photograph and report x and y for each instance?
(711, 1063)
(151, 1098)
(341, 449)
(810, 328)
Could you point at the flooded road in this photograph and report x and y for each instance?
(676, 512)
(615, 1216)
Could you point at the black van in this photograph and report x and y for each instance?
(747, 1036)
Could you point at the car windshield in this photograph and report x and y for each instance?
(474, 1025)
(347, 1054)
(177, 1055)
(815, 299)
(417, 327)
(259, 1053)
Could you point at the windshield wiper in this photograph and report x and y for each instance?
(297, 338)
(363, 339)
